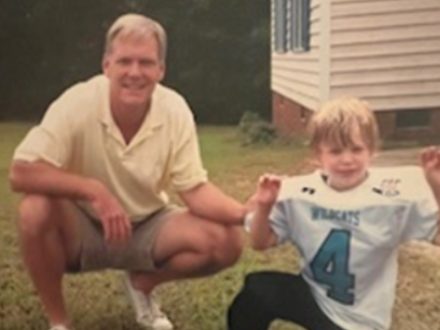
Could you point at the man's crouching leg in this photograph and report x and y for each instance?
(184, 246)
(46, 230)
(187, 246)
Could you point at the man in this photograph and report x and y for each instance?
(93, 175)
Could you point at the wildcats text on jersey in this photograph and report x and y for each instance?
(348, 216)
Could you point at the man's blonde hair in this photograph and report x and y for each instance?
(137, 26)
(339, 120)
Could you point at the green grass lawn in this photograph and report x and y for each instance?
(96, 301)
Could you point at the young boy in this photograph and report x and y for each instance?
(347, 220)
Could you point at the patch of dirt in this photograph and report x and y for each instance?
(417, 305)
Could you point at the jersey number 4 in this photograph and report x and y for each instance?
(330, 266)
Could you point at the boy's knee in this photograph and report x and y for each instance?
(252, 294)
(255, 282)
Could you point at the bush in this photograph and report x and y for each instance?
(254, 130)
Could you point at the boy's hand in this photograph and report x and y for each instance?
(430, 161)
(267, 190)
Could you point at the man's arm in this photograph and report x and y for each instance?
(430, 161)
(208, 201)
(46, 179)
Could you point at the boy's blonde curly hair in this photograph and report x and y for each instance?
(339, 120)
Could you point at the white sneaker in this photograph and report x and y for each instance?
(148, 313)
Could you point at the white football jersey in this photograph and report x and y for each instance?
(348, 240)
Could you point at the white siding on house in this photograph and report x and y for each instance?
(297, 76)
(386, 51)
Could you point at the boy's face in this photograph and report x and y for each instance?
(346, 166)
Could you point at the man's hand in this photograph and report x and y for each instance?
(44, 178)
(114, 219)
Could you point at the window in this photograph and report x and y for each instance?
(413, 118)
(299, 20)
(280, 25)
(291, 25)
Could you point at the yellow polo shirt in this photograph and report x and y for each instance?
(78, 134)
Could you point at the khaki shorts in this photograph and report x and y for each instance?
(135, 255)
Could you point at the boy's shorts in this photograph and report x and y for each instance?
(134, 255)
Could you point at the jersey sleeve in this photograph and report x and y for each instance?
(50, 141)
(421, 222)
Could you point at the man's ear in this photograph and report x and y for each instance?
(162, 72)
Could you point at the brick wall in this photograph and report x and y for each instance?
(435, 122)
(289, 118)
(388, 129)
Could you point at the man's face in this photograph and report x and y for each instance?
(133, 68)
(347, 166)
